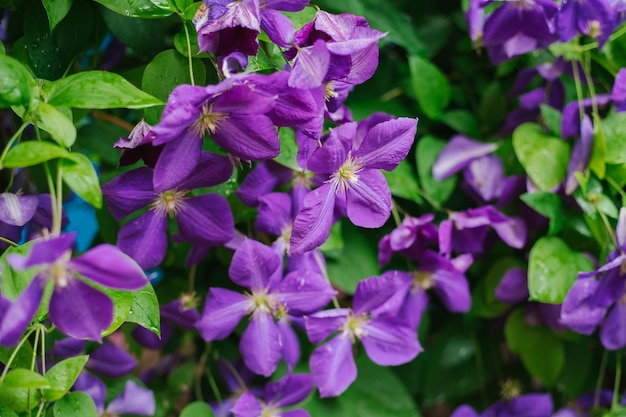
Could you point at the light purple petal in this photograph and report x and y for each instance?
(577, 313)
(93, 387)
(388, 342)
(513, 232)
(212, 169)
(620, 230)
(247, 405)
(613, 328)
(458, 153)
(17, 210)
(513, 287)
(321, 325)
(133, 400)
(253, 265)
(260, 344)
(368, 200)
(332, 366)
(486, 176)
(277, 26)
(111, 360)
(144, 239)
(223, 310)
(289, 390)
(387, 143)
(464, 411)
(290, 342)
(79, 300)
(310, 66)
(311, 226)
(44, 251)
(334, 152)
(453, 290)
(108, 266)
(19, 313)
(372, 292)
(304, 292)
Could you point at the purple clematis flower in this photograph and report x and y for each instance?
(594, 18)
(138, 145)
(459, 153)
(352, 169)
(289, 390)
(527, 405)
(580, 155)
(410, 238)
(111, 360)
(387, 340)
(259, 268)
(72, 297)
(145, 238)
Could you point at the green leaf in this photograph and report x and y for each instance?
(145, 309)
(552, 118)
(122, 304)
(17, 86)
(302, 17)
(180, 42)
(461, 121)
(56, 10)
(426, 153)
(144, 9)
(403, 183)
(31, 153)
(547, 204)
(168, 70)
(63, 375)
(97, 90)
(146, 37)
(288, 149)
(544, 157)
(334, 244)
(53, 121)
(614, 129)
(377, 392)
(80, 175)
(575, 380)
(14, 282)
(430, 85)
(22, 359)
(552, 269)
(493, 106)
(598, 152)
(24, 378)
(7, 412)
(75, 404)
(358, 260)
(197, 409)
(18, 399)
(544, 363)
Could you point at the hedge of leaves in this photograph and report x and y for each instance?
(267, 208)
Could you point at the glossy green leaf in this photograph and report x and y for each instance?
(97, 90)
(56, 10)
(552, 119)
(17, 86)
(146, 37)
(358, 260)
(180, 42)
(139, 8)
(552, 269)
(75, 404)
(7, 412)
(430, 86)
(22, 359)
(461, 121)
(63, 375)
(547, 204)
(80, 175)
(426, 153)
(597, 161)
(13, 281)
(30, 153)
(544, 157)
(403, 182)
(53, 121)
(24, 378)
(197, 409)
(302, 17)
(614, 129)
(542, 352)
(377, 392)
(288, 149)
(122, 304)
(145, 309)
(166, 71)
(18, 399)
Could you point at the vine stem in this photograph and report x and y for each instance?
(15, 136)
(56, 225)
(10, 242)
(193, 81)
(618, 377)
(596, 397)
(14, 354)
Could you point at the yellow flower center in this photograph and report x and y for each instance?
(169, 202)
(209, 121)
(347, 174)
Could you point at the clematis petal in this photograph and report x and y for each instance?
(311, 226)
(247, 405)
(274, 213)
(513, 287)
(620, 230)
(111, 360)
(277, 26)
(387, 143)
(260, 344)
(295, 413)
(223, 310)
(253, 265)
(128, 192)
(577, 311)
(289, 390)
(373, 292)
(334, 152)
(290, 342)
(206, 219)
(321, 325)
(464, 411)
(108, 266)
(18, 314)
(311, 66)
(453, 290)
(78, 299)
(457, 154)
(184, 106)
(249, 137)
(613, 328)
(388, 342)
(332, 366)
(17, 210)
(266, 176)
(93, 387)
(133, 400)
(44, 251)
(368, 200)
(212, 169)
(177, 161)
(304, 292)
(144, 239)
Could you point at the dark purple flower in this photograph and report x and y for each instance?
(145, 238)
(527, 405)
(259, 268)
(134, 400)
(513, 287)
(111, 360)
(138, 145)
(353, 172)
(594, 18)
(386, 339)
(72, 297)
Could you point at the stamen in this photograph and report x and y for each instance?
(169, 203)
(354, 326)
(422, 280)
(329, 91)
(347, 174)
(209, 121)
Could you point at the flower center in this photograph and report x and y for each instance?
(169, 202)
(189, 300)
(329, 91)
(595, 29)
(510, 389)
(347, 174)
(209, 121)
(270, 410)
(354, 326)
(422, 280)
(263, 301)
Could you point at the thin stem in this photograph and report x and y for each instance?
(590, 86)
(608, 227)
(617, 188)
(43, 351)
(579, 90)
(431, 201)
(596, 397)
(394, 212)
(618, 33)
(618, 378)
(236, 375)
(198, 371)
(41, 407)
(193, 82)
(14, 354)
(316, 255)
(15, 136)
(56, 225)
(214, 388)
(34, 358)
(10, 242)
